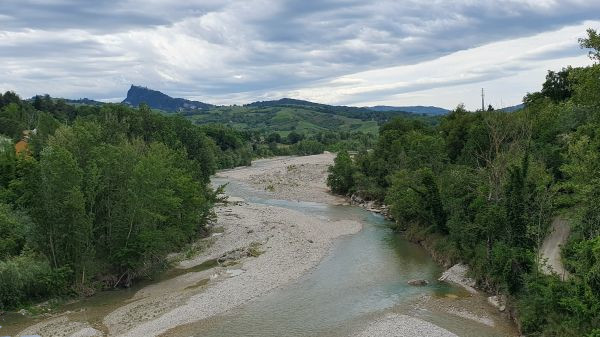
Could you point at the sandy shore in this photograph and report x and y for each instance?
(394, 325)
(289, 178)
(291, 242)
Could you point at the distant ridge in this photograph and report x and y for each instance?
(79, 101)
(513, 108)
(84, 101)
(137, 95)
(284, 101)
(417, 109)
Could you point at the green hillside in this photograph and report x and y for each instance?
(283, 119)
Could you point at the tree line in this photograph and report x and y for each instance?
(483, 187)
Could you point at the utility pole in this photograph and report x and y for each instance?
(482, 100)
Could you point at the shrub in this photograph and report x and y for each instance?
(28, 278)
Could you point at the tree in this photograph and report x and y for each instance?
(515, 203)
(13, 231)
(432, 202)
(340, 178)
(294, 137)
(308, 147)
(557, 86)
(414, 197)
(274, 137)
(592, 41)
(494, 141)
(61, 223)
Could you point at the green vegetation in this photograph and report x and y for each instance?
(286, 115)
(482, 187)
(291, 130)
(101, 195)
(341, 173)
(287, 122)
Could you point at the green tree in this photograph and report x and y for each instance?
(592, 41)
(62, 226)
(340, 178)
(274, 137)
(294, 137)
(13, 231)
(557, 86)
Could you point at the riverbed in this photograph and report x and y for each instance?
(363, 279)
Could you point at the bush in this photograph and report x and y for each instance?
(28, 278)
(340, 178)
(308, 147)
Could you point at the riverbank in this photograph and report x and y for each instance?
(286, 250)
(304, 179)
(259, 250)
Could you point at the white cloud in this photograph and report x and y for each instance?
(508, 69)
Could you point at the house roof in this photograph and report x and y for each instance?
(21, 147)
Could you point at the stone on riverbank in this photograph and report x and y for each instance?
(458, 274)
(498, 302)
(418, 283)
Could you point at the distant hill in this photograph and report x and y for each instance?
(284, 102)
(137, 95)
(364, 114)
(287, 114)
(418, 109)
(513, 108)
(83, 101)
(283, 115)
(80, 101)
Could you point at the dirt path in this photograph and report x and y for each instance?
(551, 247)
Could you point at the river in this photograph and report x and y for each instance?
(364, 277)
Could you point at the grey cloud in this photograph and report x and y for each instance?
(98, 15)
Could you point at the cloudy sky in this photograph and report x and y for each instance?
(352, 52)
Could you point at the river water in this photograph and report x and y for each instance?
(363, 278)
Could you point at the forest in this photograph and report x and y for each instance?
(483, 187)
(99, 196)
